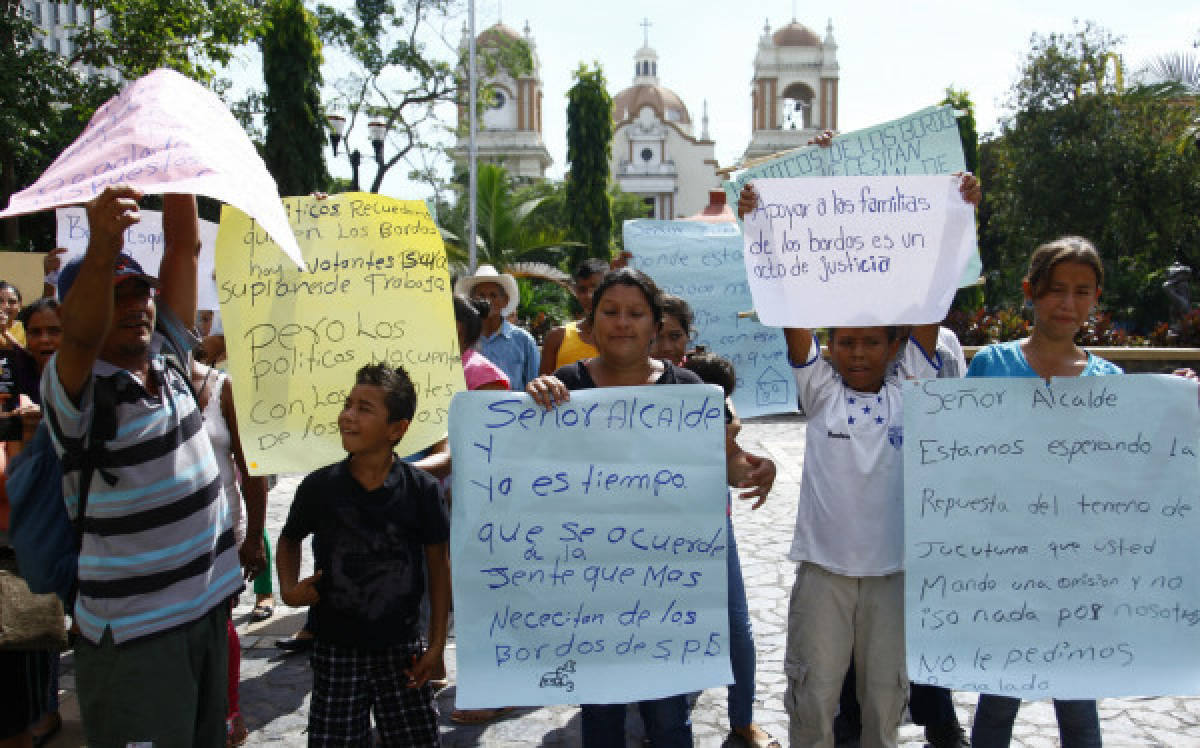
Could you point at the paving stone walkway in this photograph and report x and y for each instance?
(275, 687)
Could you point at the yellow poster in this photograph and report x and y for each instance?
(374, 288)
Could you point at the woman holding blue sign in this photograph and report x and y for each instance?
(1063, 285)
(625, 317)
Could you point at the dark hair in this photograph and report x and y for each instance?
(39, 305)
(712, 368)
(6, 285)
(471, 313)
(892, 332)
(590, 267)
(1064, 249)
(398, 392)
(636, 279)
(677, 307)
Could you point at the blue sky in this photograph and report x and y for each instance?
(895, 57)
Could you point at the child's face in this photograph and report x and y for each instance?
(583, 289)
(671, 342)
(861, 356)
(363, 422)
(1069, 298)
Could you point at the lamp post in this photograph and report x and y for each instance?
(376, 133)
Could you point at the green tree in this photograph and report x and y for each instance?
(507, 231)
(1177, 72)
(589, 145)
(33, 82)
(295, 122)
(194, 37)
(551, 212)
(397, 79)
(961, 100)
(1083, 156)
(49, 97)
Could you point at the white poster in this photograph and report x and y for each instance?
(856, 251)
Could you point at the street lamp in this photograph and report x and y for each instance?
(376, 133)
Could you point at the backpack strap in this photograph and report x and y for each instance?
(90, 455)
(103, 430)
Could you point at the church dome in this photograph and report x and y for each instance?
(498, 33)
(795, 34)
(664, 101)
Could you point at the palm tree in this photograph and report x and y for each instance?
(1175, 73)
(507, 239)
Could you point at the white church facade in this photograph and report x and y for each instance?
(510, 127)
(655, 151)
(794, 91)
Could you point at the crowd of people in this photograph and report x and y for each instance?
(171, 523)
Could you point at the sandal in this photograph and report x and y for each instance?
(236, 732)
(479, 716)
(52, 728)
(766, 741)
(261, 612)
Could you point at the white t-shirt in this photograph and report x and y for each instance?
(948, 359)
(850, 516)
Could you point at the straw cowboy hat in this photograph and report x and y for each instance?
(488, 274)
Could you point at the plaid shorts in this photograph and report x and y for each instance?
(350, 683)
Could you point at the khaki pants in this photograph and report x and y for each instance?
(830, 618)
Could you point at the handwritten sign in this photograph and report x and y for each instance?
(588, 546)
(163, 133)
(1050, 535)
(373, 288)
(924, 142)
(856, 251)
(144, 240)
(702, 262)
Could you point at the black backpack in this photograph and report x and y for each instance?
(45, 539)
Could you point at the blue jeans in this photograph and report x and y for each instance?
(741, 642)
(668, 723)
(1078, 722)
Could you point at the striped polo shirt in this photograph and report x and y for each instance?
(158, 545)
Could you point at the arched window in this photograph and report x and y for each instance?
(797, 107)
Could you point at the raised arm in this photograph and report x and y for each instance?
(799, 341)
(88, 309)
(181, 256)
(926, 336)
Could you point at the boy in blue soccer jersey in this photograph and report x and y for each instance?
(378, 523)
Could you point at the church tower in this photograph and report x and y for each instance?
(655, 151)
(794, 93)
(510, 125)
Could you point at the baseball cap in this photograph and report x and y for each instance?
(125, 267)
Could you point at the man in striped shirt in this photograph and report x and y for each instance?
(159, 562)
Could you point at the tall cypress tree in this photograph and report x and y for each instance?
(589, 145)
(295, 123)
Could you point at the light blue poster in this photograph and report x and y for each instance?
(702, 262)
(588, 546)
(924, 142)
(1050, 536)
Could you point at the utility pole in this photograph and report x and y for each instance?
(472, 146)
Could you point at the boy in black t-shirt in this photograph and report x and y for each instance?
(377, 523)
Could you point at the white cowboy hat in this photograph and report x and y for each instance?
(488, 274)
